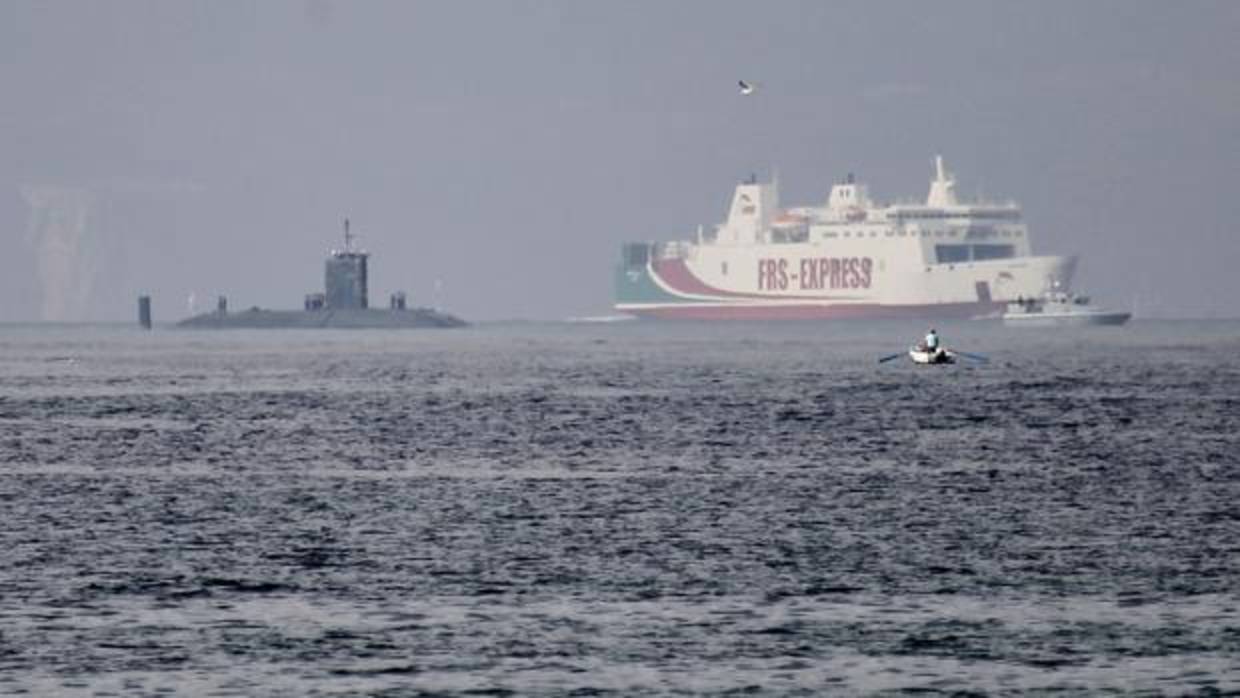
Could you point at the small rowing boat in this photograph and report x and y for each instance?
(938, 355)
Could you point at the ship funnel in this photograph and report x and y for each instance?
(749, 217)
(942, 187)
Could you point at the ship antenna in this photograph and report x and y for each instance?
(348, 237)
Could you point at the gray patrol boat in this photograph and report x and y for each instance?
(1057, 308)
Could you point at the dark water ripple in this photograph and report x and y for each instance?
(621, 510)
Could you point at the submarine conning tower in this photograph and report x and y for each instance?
(345, 276)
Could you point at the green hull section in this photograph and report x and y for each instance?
(634, 285)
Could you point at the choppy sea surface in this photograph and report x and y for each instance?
(619, 509)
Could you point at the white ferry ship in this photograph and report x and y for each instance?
(848, 258)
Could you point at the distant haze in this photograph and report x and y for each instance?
(506, 149)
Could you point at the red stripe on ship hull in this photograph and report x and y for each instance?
(815, 312)
(676, 274)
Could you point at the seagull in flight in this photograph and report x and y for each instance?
(747, 88)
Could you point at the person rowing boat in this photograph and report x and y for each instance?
(932, 347)
(930, 350)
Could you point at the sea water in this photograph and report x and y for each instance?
(621, 508)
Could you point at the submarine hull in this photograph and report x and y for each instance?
(343, 318)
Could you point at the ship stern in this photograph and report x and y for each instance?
(636, 291)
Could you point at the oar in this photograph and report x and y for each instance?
(967, 355)
(885, 359)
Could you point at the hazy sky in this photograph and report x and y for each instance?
(508, 148)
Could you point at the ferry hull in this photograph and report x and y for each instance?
(812, 312)
(670, 289)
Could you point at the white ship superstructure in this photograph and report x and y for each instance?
(850, 257)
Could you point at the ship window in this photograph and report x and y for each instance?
(890, 233)
(847, 234)
(993, 251)
(723, 268)
(946, 254)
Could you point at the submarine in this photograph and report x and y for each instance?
(343, 304)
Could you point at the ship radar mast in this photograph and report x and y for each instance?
(942, 187)
(348, 237)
